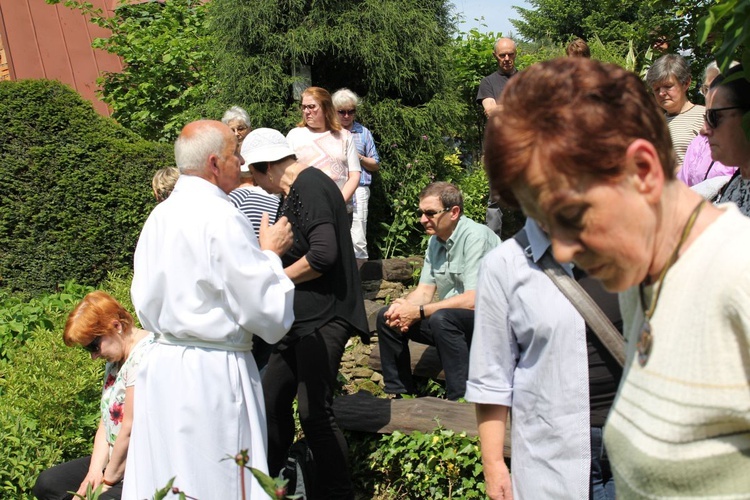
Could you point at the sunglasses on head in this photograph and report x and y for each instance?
(712, 115)
(431, 213)
(347, 112)
(94, 345)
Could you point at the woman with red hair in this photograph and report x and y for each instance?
(106, 330)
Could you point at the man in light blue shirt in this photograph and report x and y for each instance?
(456, 246)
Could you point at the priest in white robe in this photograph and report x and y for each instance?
(205, 285)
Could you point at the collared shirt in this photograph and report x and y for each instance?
(529, 352)
(201, 278)
(366, 147)
(452, 265)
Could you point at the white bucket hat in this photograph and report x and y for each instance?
(264, 145)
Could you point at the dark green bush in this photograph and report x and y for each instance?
(75, 188)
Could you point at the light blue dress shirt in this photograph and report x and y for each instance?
(529, 352)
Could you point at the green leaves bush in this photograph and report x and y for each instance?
(75, 188)
(437, 464)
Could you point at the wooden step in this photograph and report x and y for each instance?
(364, 412)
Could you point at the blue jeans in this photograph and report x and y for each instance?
(602, 482)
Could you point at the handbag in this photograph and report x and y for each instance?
(592, 314)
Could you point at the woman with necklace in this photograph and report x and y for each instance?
(328, 309)
(599, 175)
(106, 330)
(669, 79)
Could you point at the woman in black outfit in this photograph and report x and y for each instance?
(328, 309)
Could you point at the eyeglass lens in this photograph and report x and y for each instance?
(311, 107)
(347, 112)
(431, 213)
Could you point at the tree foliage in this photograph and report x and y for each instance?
(166, 55)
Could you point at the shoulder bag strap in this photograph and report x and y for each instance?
(582, 301)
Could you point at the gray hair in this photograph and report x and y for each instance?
(668, 65)
(236, 113)
(191, 152)
(343, 97)
(449, 194)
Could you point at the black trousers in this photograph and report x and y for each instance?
(449, 330)
(56, 482)
(309, 370)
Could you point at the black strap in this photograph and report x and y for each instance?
(709, 169)
(582, 301)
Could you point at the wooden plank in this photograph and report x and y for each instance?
(364, 412)
(425, 361)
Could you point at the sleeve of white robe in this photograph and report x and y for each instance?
(200, 275)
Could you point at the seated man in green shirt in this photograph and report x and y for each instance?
(456, 246)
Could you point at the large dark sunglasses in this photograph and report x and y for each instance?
(712, 115)
(432, 213)
(94, 346)
(347, 112)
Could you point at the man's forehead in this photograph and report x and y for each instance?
(430, 200)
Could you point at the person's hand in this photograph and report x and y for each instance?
(402, 315)
(277, 238)
(498, 484)
(94, 478)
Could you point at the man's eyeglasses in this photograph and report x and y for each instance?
(347, 112)
(432, 213)
(94, 346)
(503, 55)
(311, 107)
(712, 115)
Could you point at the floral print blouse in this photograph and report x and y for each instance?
(117, 377)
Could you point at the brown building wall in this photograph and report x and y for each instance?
(54, 42)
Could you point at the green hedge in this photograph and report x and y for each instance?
(75, 188)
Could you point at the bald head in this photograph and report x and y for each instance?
(505, 54)
(208, 149)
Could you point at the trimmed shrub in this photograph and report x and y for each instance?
(75, 188)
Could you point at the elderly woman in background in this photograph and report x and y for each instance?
(328, 309)
(106, 330)
(729, 101)
(699, 165)
(669, 78)
(320, 141)
(238, 120)
(345, 101)
(592, 162)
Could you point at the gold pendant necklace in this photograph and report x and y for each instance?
(646, 339)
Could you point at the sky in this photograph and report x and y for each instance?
(496, 13)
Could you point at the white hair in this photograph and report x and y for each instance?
(236, 113)
(191, 152)
(343, 97)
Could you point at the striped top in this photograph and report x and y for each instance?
(680, 426)
(684, 128)
(253, 201)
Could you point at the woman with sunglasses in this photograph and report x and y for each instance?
(320, 141)
(345, 101)
(728, 102)
(699, 166)
(106, 330)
